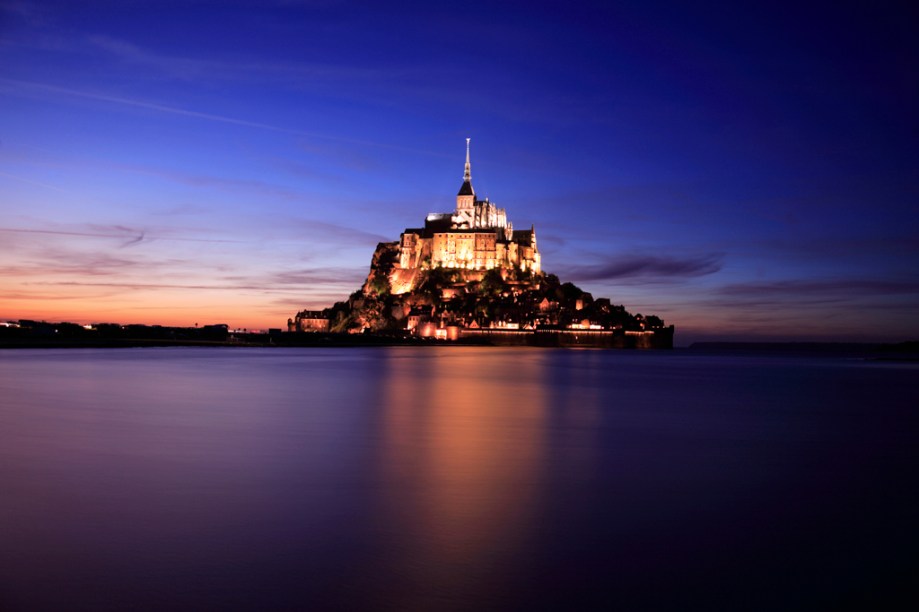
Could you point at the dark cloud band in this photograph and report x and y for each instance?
(648, 267)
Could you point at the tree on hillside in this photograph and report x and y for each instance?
(491, 284)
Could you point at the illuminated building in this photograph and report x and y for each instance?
(476, 236)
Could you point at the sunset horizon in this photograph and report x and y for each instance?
(742, 175)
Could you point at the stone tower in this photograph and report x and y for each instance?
(465, 199)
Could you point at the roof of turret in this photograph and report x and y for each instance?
(524, 236)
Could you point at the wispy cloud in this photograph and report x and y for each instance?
(182, 210)
(231, 185)
(552, 239)
(293, 283)
(240, 70)
(339, 233)
(133, 241)
(55, 262)
(319, 276)
(647, 268)
(29, 296)
(176, 67)
(140, 285)
(122, 233)
(32, 182)
(16, 86)
(817, 291)
(48, 88)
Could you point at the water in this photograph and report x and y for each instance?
(454, 479)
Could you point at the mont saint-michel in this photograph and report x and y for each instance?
(468, 275)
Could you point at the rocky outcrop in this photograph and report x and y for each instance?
(382, 265)
(474, 299)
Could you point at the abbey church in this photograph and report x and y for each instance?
(476, 236)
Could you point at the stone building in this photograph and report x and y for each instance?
(308, 321)
(476, 236)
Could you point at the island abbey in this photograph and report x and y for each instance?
(469, 276)
(476, 236)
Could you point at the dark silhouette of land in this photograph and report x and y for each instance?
(42, 334)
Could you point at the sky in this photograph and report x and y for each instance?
(744, 172)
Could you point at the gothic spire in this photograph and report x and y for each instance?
(466, 187)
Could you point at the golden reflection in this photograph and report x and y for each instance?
(463, 454)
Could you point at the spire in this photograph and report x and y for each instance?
(466, 188)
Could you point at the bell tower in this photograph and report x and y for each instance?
(465, 199)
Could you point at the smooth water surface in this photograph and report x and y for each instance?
(454, 478)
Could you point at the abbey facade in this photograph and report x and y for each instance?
(476, 236)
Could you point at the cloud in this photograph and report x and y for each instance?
(229, 185)
(816, 291)
(132, 236)
(152, 106)
(552, 239)
(217, 71)
(133, 241)
(70, 263)
(32, 182)
(650, 268)
(844, 245)
(17, 86)
(321, 276)
(177, 67)
(136, 285)
(44, 297)
(281, 283)
(182, 210)
(114, 231)
(339, 233)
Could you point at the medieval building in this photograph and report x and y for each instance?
(468, 275)
(476, 236)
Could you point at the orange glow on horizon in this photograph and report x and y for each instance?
(171, 310)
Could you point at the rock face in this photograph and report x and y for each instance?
(506, 300)
(382, 268)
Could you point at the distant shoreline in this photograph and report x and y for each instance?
(245, 341)
(899, 351)
(69, 335)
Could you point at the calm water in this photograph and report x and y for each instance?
(454, 478)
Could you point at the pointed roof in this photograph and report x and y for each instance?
(466, 188)
(525, 237)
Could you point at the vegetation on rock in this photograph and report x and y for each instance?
(497, 297)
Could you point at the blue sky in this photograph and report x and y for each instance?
(745, 173)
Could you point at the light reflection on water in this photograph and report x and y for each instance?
(450, 478)
(462, 452)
